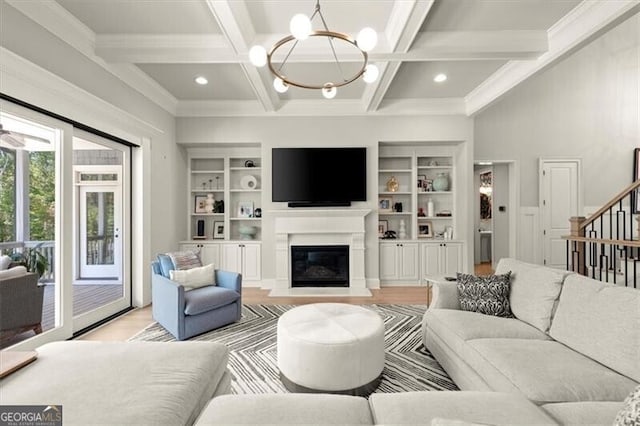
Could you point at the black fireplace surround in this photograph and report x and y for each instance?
(319, 266)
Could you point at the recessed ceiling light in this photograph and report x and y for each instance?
(440, 78)
(201, 80)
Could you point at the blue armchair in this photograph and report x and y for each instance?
(188, 313)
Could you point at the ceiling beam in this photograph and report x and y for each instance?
(233, 18)
(404, 24)
(587, 20)
(428, 46)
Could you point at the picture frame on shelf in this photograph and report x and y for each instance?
(200, 204)
(245, 209)
(383, 226)
(425, 229)
(421, 183)
(385, 204)
(218, 230)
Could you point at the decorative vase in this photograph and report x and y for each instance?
(247, 232)
(403, 232)
(392, 184)
(430, 208)
(210, 202)
(441, 182)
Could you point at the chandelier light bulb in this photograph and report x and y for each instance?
(371, 73)
(279, 85)
(367, 39)
(258, 56)
(300, 26)
(329, 91)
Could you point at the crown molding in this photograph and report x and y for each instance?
(24, 80)
(57, 20)
(586, 20)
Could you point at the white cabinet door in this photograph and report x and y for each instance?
(451, 258)
(210, 253)
(388, 261)
(408, 261)
(252, 262)
(231, 259)
(430, 259)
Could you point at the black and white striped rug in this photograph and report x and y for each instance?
(253, 357)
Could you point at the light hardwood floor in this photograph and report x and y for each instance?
(131, 323)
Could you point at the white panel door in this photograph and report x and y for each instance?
(210, 253)
(560, 200)
(231, 258)
(451, 258)
(431, 259)
(409, 266)
(251, 262)
(389, 261)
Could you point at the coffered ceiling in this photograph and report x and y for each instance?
(485, 47)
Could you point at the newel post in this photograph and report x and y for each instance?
(577, 252)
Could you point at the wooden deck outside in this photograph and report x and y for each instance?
(85, 298)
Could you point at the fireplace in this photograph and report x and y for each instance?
(320, 266)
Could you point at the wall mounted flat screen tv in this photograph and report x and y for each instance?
(308, 177)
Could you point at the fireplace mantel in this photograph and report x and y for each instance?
(320, 227)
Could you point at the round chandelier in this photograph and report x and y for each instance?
(300, 27)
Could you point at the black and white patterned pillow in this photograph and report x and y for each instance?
(630, 413)
(486, 295)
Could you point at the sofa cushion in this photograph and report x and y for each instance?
(16, 271)
(420, 408)
(544, 371)
(534, 291)
(289, 409)
(208, 298)
(456, 327)
(583, 413)
(195, 277)
(486, 295)
(601, 321)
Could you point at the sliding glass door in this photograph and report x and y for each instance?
(102, 228)
(64, 201)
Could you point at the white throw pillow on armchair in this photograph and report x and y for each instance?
(194, 277)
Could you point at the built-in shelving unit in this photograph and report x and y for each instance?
(232, 176)
(425, 248)
(234, 180)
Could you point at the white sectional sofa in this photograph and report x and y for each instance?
(573, 347)
(569, 357)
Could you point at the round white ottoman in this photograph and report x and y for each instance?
(331, 348)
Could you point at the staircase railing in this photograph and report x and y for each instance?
(606, 245)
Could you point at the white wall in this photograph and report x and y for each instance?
(333, 131)
(68, 83)
(585, 106)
